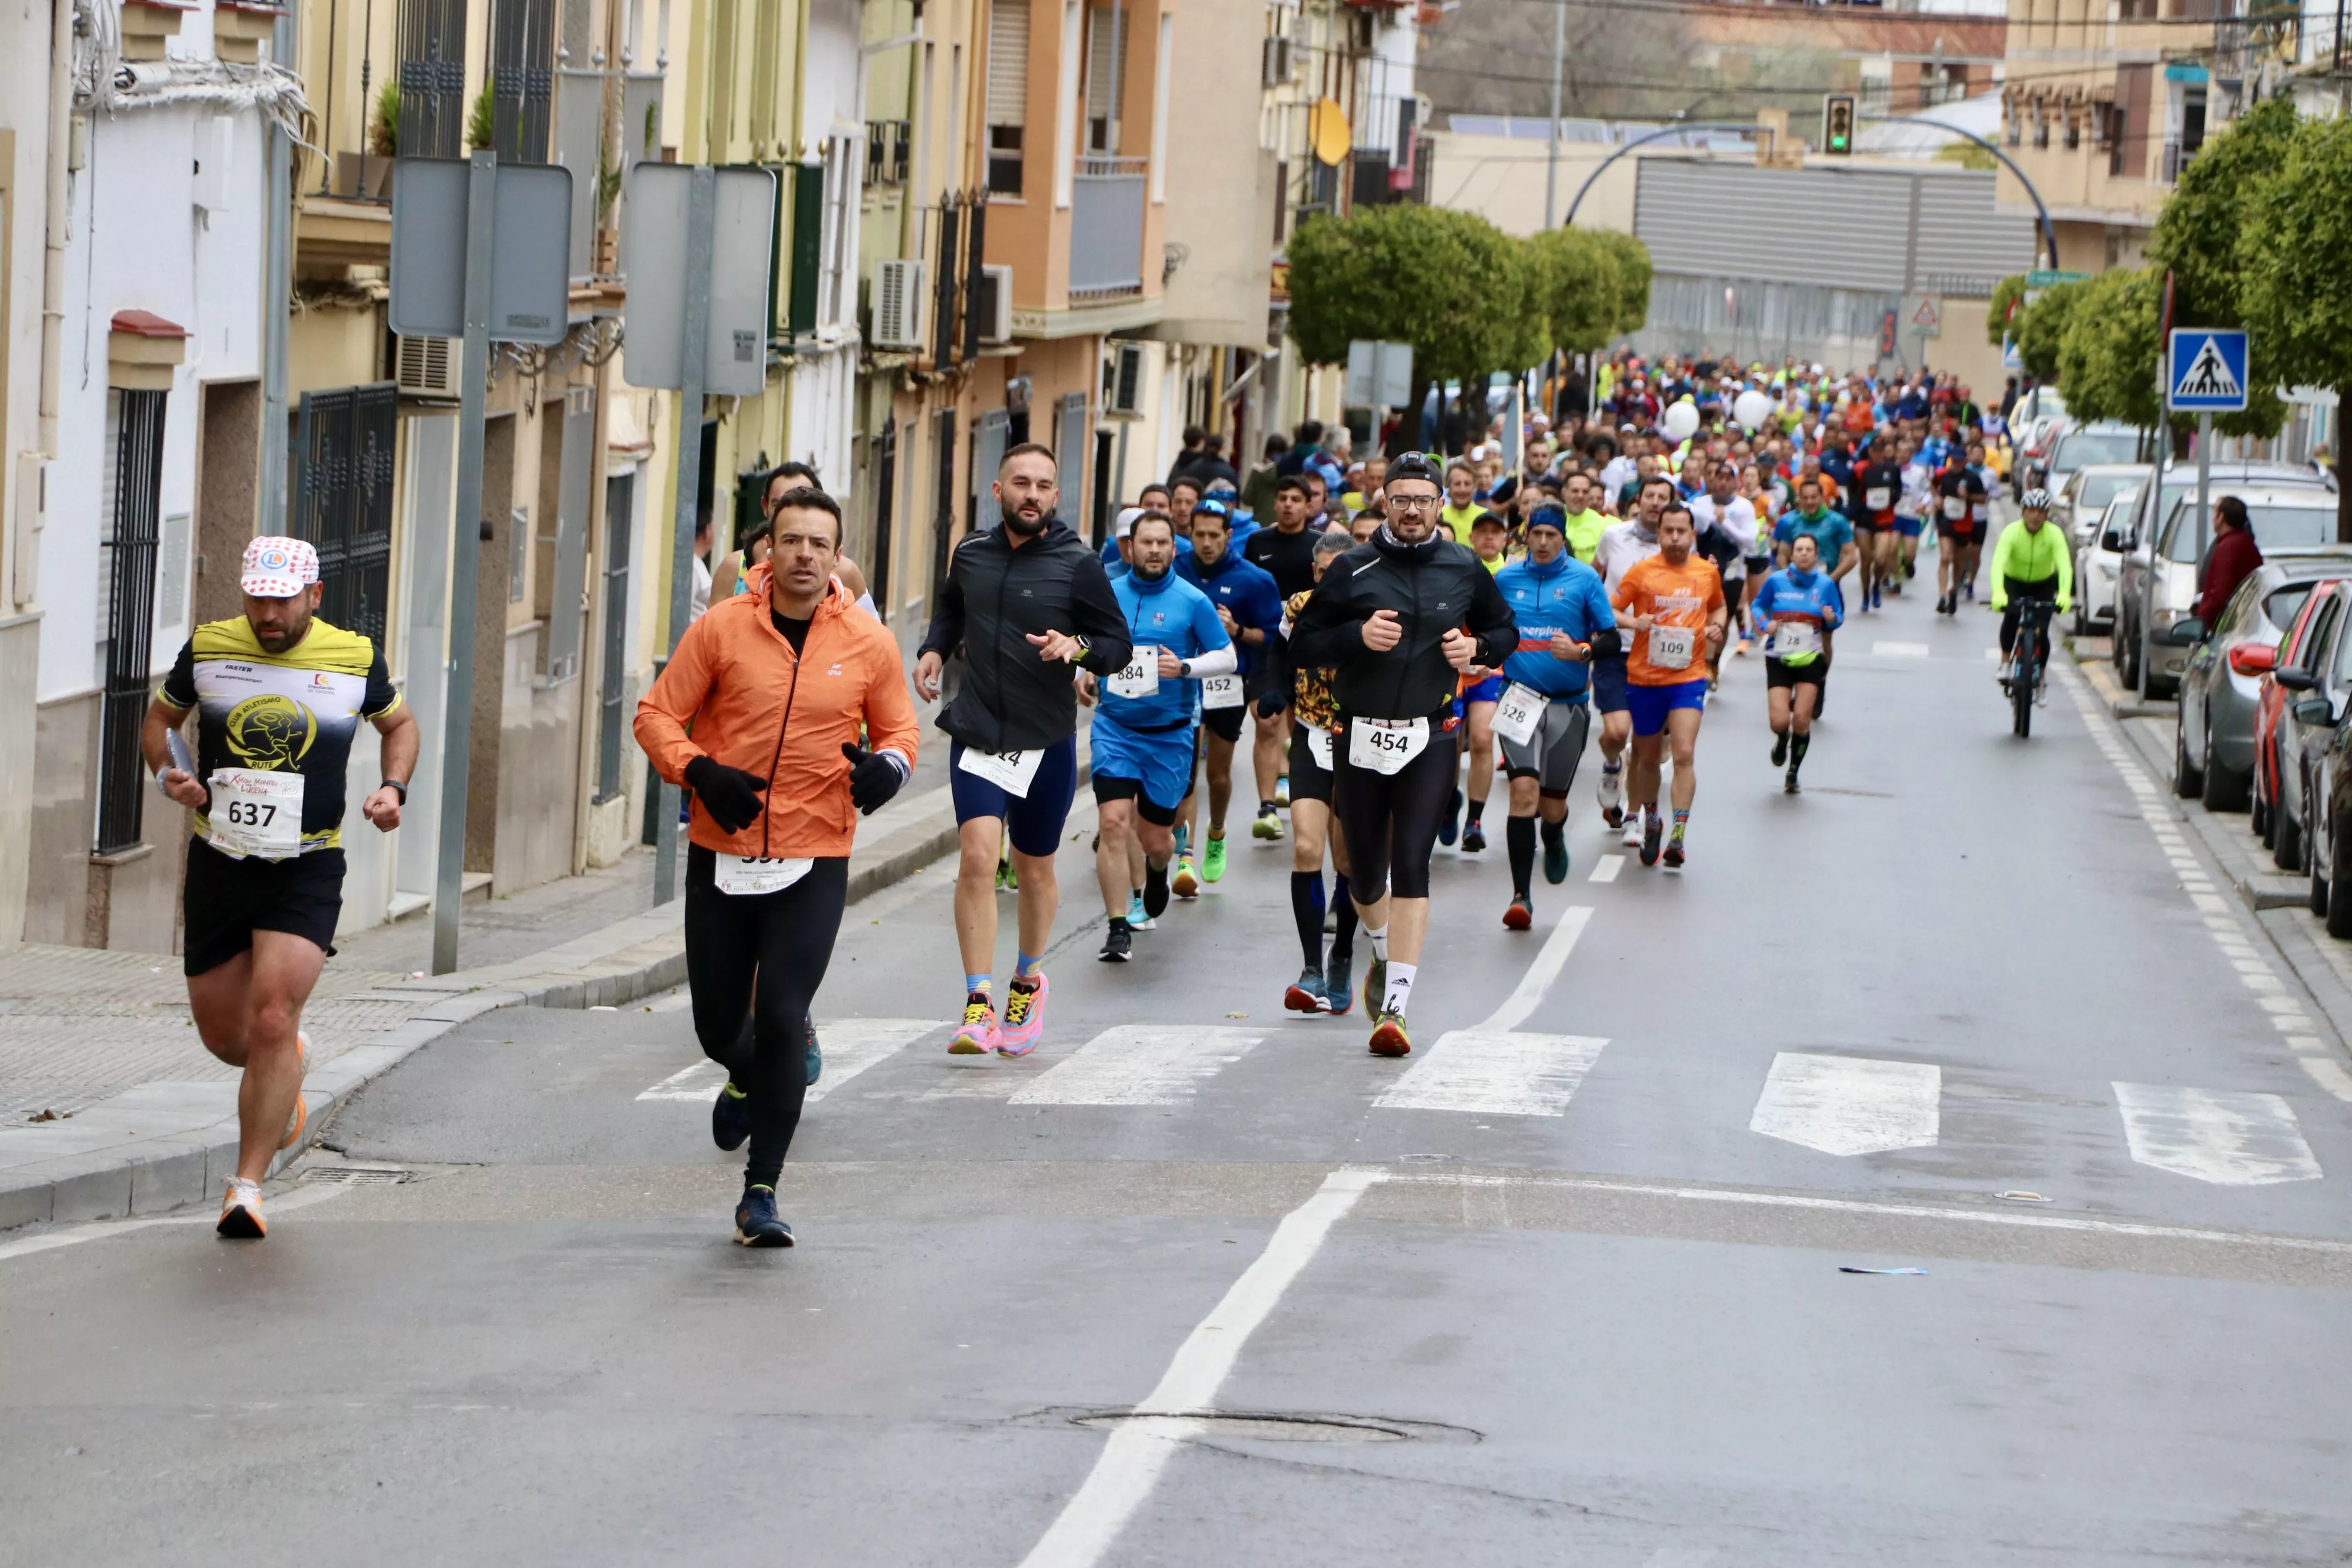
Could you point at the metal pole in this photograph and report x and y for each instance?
(701, 218)
(1551, 154)
(2204, 484)
(457, 704)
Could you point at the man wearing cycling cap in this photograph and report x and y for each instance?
(278, 695)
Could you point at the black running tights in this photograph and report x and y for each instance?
(1389, 820)
(783, 942)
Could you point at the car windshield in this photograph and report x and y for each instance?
(2277, 524)
(2081, 448)
(2098, 490)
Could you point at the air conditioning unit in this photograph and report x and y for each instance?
(1275, 64)
(994, 305)
(898, 305)
(1123, 380)
(428, 367)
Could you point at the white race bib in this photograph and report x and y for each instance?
(1794, 638)
(1955, 508)
(1518, 713)
(1671, 646)
(1980, 511)
(1878, 497)
(1220, 691)
(1142, 675)
(750, 875)
(258, 812)
(1008, 771)
(1318, 746)
(1385, 745)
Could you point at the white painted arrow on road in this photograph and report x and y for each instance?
(2232, 1140)
(1849, 1105)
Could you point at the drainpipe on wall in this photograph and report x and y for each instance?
(277, 306)
(25, 588)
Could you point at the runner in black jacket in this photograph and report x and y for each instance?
(1026, 601)
(1390, 615)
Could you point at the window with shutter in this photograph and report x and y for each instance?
(347, 438)
(134, 489)
(1106, 43)
(1008, 94)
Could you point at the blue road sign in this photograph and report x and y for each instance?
(2205, 371)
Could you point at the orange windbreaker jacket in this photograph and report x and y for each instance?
(756, 706)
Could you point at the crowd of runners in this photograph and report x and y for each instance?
(1388, 633)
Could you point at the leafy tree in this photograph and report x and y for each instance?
(2196, 235)
(1579, 288)
(2290, 253)
(2040, 327)
(2009, 291)
(1633, 268)
(2107, 348)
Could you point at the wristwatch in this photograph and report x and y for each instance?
(1183, 670)
(397, 788)
(1085, 647)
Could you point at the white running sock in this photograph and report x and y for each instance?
(1399, 987)
(1379, 940)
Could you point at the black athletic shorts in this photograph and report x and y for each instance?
(1132, 789)
(1779, 672)
(1309, 780)
(1224, 722)
(229, 898)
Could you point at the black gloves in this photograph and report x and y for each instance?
(1608, 640)
(730, 796)
(873, 779)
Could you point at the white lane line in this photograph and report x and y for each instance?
(1532, 985)
(2325, 1071)
(700, 1081)
(1992, 655)
(1900, 649)
(1130, 1462)
(853, 1045)
(1136, 1064)
(850, 1046)
(1493, 1074)
(1849, 1105)
(2008, 1217)
(273, 1206)
(2232, 1140)
(1605, 870)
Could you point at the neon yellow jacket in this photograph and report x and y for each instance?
(2030, 556)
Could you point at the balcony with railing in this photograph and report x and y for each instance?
(1107, 198)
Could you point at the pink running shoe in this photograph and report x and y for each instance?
(1025, 1018)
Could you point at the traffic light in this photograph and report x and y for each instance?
(1837, 124)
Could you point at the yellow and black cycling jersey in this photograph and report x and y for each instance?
(281, 713)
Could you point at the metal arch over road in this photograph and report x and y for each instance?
(2042, 211)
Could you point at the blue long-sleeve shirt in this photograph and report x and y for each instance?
(1245, 590)
(1791, 594)
(1561, 595)
(1165, 611)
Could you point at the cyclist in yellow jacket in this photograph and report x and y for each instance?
(2031, 561)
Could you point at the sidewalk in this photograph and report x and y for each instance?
(109, 1106)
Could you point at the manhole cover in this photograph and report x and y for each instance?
(1264, 1426)
(360, 1176)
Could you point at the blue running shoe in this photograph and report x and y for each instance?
(1338, 982)
(756, 1224)
(816, 1057)
(1555, 859)
(730, 1117)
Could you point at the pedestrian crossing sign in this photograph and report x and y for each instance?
(2205, 371)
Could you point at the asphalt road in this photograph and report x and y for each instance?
(1564, 1291)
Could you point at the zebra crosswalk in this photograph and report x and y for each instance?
(1844, 1107)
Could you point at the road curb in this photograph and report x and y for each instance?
(619, 964)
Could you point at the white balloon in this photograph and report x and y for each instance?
(1751, 408)
(1682, 421)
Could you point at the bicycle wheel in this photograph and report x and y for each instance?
(2021, 700)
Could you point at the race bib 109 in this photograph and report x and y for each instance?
(1671, 646)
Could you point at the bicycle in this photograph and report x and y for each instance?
(2029, 663)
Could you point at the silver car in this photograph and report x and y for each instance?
(2099, 562)
(2080, 505)
(2289, 507)
(2104, 444)
(2220, 691)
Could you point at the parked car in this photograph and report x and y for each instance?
(2097, 566)
(2105, 444)
(2080, 504)
(2158, 581)
(2316, 690)
(2270, 705)
(2331, 837)
(2213, 733)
